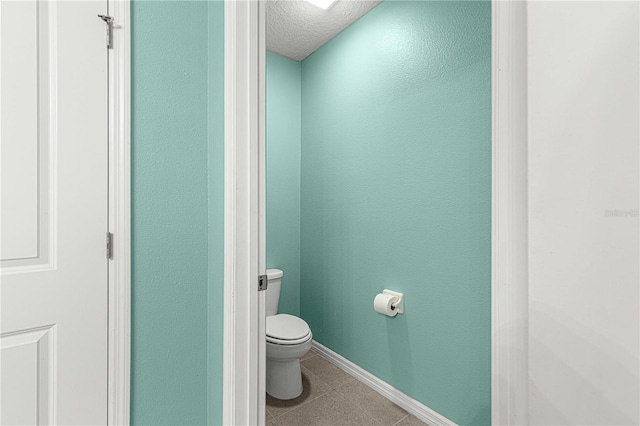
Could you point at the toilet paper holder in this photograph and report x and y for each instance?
(399, 303)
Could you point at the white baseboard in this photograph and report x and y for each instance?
(412, 406)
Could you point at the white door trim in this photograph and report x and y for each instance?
(119, 215)
(243, 361)
(509, 284)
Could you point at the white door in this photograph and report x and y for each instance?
(53, 121)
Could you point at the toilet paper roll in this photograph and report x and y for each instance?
(382, 305)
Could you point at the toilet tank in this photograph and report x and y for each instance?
(274, 283)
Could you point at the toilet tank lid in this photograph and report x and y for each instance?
(274, 273)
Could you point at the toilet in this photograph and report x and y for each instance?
(288, 340)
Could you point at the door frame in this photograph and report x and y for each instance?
(119, 314)
(244, 211)
(509, 214)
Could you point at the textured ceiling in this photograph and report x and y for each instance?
(296, 29)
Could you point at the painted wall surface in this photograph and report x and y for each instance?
(396, 193)
(583, 122)
(176, 365)
(283, 176)
(216, 210)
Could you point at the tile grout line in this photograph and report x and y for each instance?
(301, 405)
(396, 423)
(366, 413)
(313, 353)
(359, 408)
(319, 376)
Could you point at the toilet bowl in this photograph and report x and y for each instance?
(288, 340)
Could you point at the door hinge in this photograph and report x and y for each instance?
(262, 282)
(109, 21)
(109, 245)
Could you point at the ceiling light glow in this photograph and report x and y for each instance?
(322, 4)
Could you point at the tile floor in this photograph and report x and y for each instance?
(331, 397)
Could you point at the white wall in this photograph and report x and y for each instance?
(583, 212)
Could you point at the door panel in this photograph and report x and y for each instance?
(54, 178)
(27, 376)
(27, 101)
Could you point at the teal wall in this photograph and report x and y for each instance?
(396, 193)
(283, 176)
(216, 208)
(176, 367)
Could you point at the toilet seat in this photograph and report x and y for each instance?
(285, 329)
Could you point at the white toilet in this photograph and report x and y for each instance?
(288, 339)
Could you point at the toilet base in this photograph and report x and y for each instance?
(284, 379)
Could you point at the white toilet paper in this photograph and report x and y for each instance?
(382, 304)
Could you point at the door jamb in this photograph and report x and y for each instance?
(119, 346)
(243, 355)
(509, 283)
